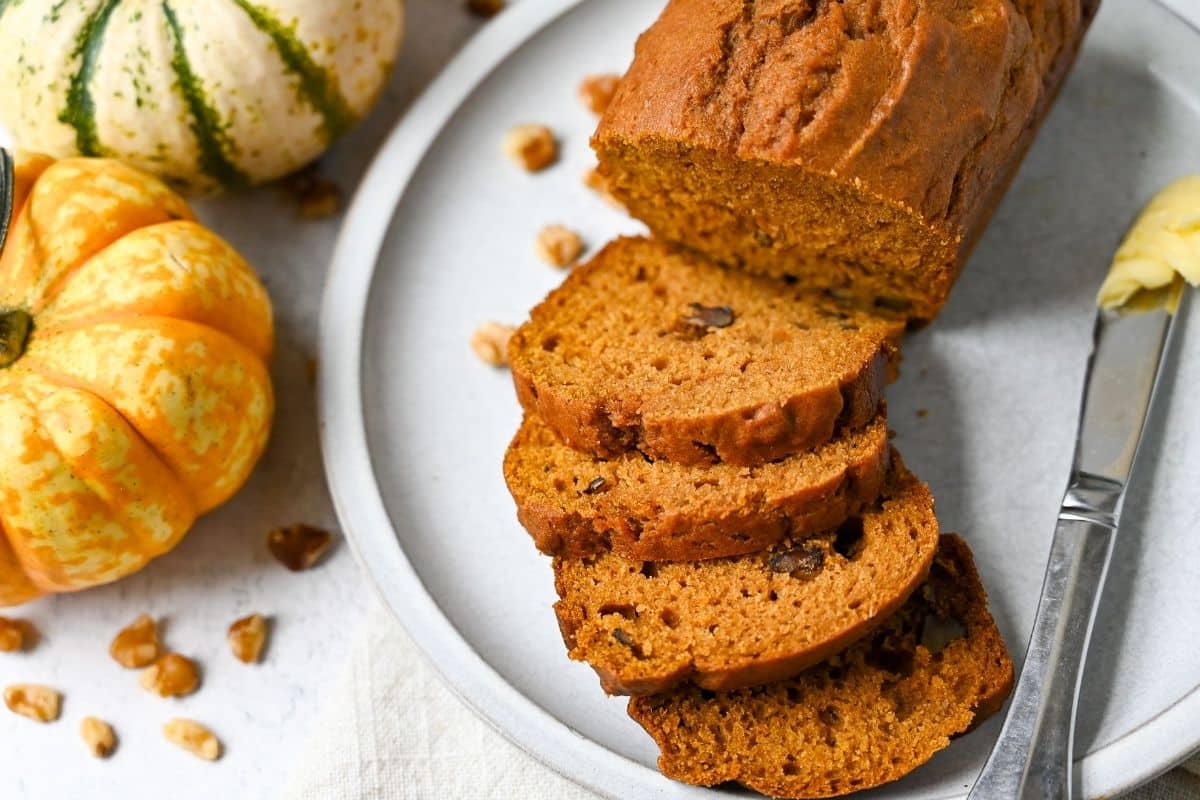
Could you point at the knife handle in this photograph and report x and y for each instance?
(1033, 757)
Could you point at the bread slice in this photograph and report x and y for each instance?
(859, 145)
(650, 348)
(574, 505)
(733, 622)
(865, 717)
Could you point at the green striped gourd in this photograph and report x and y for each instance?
(209, 94)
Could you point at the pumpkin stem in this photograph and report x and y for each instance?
(15, 326)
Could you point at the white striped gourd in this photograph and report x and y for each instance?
(208, 94)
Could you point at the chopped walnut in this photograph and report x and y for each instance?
(172, 675)
(315, 197)
(16, 634)
(599, 184)
(193, 737)
(298, 547)
(596, 91)
(247, 637)
(39, 703)
(485, 8)
(532, 146)
(558, 246)
(98, 736)
(137, 644)
(490, 342)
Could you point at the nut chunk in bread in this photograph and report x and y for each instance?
(858, 145)
(865, 717)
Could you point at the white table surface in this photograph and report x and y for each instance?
(222, 571)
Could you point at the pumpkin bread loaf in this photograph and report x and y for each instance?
(865, 717)
(859, 145)
(733, 622)
(574, 505)
(650, 348)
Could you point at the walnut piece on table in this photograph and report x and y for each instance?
(16, 635)
(298, 547)
(247, 637)
(486, 8)
(136, 645)
(98, 736)
(172, 675)
(38, 703)
(596, 91)
(193, 737)
(558, 246)
(490, 343)
(532, 146)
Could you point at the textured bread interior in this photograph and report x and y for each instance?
(648, 347)
(734, 622)
(806, 226)
(862, 718)
(574, 505)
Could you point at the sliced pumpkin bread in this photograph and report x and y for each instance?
(574, 505)
(864, 717)
(733, 622)
(648, 347)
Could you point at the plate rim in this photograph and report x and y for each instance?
(1119, 766)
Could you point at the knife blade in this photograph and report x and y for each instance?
(1033, 757)
(7, 191)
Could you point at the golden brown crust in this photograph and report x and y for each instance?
(851, 144)
(618, 358)
(863, 718)
(574, 506)
(728, 623)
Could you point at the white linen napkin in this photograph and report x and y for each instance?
(392, 731)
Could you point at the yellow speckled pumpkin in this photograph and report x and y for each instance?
(134, 394)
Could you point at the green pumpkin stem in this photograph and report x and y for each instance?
(15, 326)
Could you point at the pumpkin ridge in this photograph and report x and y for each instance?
(317, 86)
(245, 355)
(48, 309)
(51, 577)
(15, 585)
(211, 137)
(64, 381)
(150, 548)
(80, 111)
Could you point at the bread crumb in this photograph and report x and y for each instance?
(532, 146)
(596, 91)
(486, 8)
(193, 737)
(490, 343)
(922, 412)
(558, 246)
(98, 736)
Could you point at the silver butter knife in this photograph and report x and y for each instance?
(1032, 759)
(7, 188)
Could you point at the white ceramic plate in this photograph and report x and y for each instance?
(440, 237)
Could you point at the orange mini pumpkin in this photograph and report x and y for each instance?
(134, 394)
